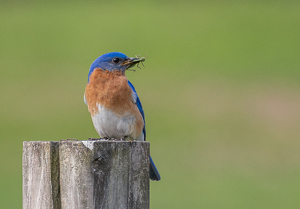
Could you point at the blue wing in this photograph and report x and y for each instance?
(154, 174)
(139, 105)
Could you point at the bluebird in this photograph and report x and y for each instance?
(113, 103)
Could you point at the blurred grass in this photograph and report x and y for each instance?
(220, 92)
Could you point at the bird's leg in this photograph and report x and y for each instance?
(123, 138)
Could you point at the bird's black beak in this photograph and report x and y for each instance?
(132, 61)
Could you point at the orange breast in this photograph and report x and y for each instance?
(111, 90)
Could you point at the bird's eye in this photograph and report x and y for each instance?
(116, 60)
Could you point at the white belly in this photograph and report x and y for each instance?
(111, 125)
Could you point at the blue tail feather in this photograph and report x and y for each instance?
(154, 174)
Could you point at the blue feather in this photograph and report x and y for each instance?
(139, 105)
(154, 174)
(103, 62)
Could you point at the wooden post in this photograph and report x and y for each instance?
(93, 174)
(41, 175)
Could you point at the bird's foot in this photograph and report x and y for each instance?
(123, 138)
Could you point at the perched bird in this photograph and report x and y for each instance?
(113, 103)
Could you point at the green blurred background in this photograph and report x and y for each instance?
(220, 90)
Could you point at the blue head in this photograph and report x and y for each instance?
(114, 61)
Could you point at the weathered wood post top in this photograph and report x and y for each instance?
(86, 174)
